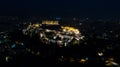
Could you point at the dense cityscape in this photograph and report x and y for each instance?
(35, 41)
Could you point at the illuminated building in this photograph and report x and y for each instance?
(52, 32)
(50, 22)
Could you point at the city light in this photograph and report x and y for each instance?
(82, 61)
(111, 62)
(100, 53)
(37, 25)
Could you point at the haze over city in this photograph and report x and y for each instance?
(77, 8)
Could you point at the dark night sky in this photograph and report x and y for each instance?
(87, 8)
